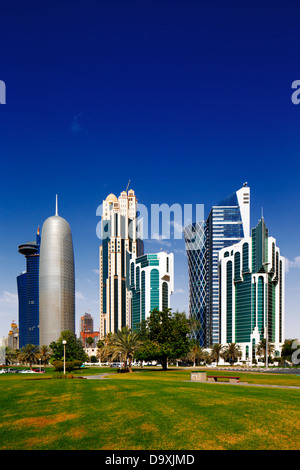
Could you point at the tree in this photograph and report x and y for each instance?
(100, 351)
(216, 352)
(231, 353)
(74, 348)
(29, 354)
(11, 355)
(196, 352)
(124, 344)
(287, 349)
(261, 348)
(166, 336)
(89, 341)
(44, 354)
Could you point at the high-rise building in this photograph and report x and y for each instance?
(227, 223)
(87, 329)
(194, 235)
(151, 284)
(13, 337)
(119, 244)
(56, 279)
(252, 292)
(28, 293)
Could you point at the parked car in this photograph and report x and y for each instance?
(28, 371)
(40, 370)
(3, 371)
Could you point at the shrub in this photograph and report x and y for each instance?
(70, 365)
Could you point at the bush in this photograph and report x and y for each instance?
(62, 376)
(70, 365)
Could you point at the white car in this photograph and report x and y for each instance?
(28, 372)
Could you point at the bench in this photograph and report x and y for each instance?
(214, 378)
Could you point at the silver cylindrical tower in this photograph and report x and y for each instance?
(56, 280)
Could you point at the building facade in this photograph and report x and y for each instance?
(151, 284)
(28, 293)
(252, 292)
(87, 330)
(227, 223)
(194, 235)
(119, 244)
(56, 280)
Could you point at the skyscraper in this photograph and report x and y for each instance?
(56, 279)
(28, 293)
(252, 292)
(227, 223)
(119, 244)
(151, 284)
(194, 235)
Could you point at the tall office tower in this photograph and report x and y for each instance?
(194, 235)
(13, 337)
(119, 244)
(28, 293)
(151, 284)
(227, 223)
(57, 279)
(87, 329)
(252, 292)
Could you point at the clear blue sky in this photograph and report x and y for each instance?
(187, 99)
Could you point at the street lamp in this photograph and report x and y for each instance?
(64, 343)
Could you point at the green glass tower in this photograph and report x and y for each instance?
(252, 292)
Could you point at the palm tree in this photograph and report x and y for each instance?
(261, 349)
(195, 352)
(44, 354)
(124, 344)
(89, 341)
(11, 355)
(232, 353)
(30, 354)
(100, 350)
(216, 352)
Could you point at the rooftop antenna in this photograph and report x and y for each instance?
(127, 186)
(56, 206)
(262, 212)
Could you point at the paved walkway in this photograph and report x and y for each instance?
(250, 385)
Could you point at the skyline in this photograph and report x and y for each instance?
(187, 101)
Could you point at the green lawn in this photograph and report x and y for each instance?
(148, 409)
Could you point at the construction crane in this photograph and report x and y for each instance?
(128, 186)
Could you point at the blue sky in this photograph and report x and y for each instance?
(187, 99)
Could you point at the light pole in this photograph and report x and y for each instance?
(64, 343)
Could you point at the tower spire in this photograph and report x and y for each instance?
(56, 206)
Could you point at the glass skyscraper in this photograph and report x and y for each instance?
(28, 293)
(194, 235)
(56, 279)
(151, 284)
(252, 287)
(227, 223)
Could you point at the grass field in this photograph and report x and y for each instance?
(148, 409)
